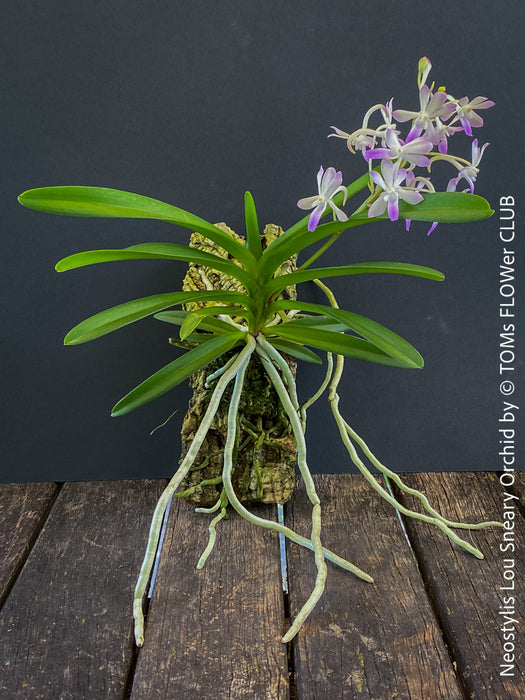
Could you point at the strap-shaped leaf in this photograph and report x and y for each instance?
(177, 318)
(385, 339)
(195, 318)
(156, 251)
(130, 311)
(324, 323)
(253, 236)
(282, 249)
(279, 283)
(106, 202)
(444, 207)
(338, 343)
(176, 372)
(295, 350)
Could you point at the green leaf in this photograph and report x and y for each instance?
(324, 323)
(195, 318)
(282, 249)
(444, 207)
(156, 251)
(295, 350)
(106, 202)
(385, 339)
(338, 343)
(176, 372)
(279, 283)
(130, 311)
(253, 236)
(215, 325)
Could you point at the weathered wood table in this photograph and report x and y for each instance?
(432, 626)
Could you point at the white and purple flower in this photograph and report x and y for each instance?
(465, 110)
(412, 150)
(329, 183)
(431, 106)
(469, 172)
(390, 181)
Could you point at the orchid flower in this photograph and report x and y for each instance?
(469, 172)
(439, 133)
(329, 184)
(359, 140)
(431, 106)
(390, 181)
(412, 150)
(466, 114)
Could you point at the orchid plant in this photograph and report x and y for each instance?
(252, 319)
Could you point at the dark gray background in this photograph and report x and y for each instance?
(193, 103)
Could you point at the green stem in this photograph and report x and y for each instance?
(321, 250)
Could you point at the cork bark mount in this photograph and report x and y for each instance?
(265, 454)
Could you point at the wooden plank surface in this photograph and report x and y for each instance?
(364, 640)
(215, 633)
(468, 593)
(65, 629)
(23, 509)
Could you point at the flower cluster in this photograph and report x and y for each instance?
(439, 117)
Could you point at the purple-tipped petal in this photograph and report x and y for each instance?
(414, 132)
(377, 154)
(403, 115)
(315, 217)
(393, 210)
(466, 126)
(432, 228)
(320, 178)
(377, 179)
(331, 182)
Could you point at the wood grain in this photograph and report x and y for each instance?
(466, 592)
(375, 641)
(66, 629)
(215, 633)
(23, 509)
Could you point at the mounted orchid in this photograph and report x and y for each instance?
(243, 327)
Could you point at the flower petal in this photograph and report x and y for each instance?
(320, 178)
(315, 216)
(393, 210)
(410, 196)
(341, 216)
(308, 202)
(378, 207)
